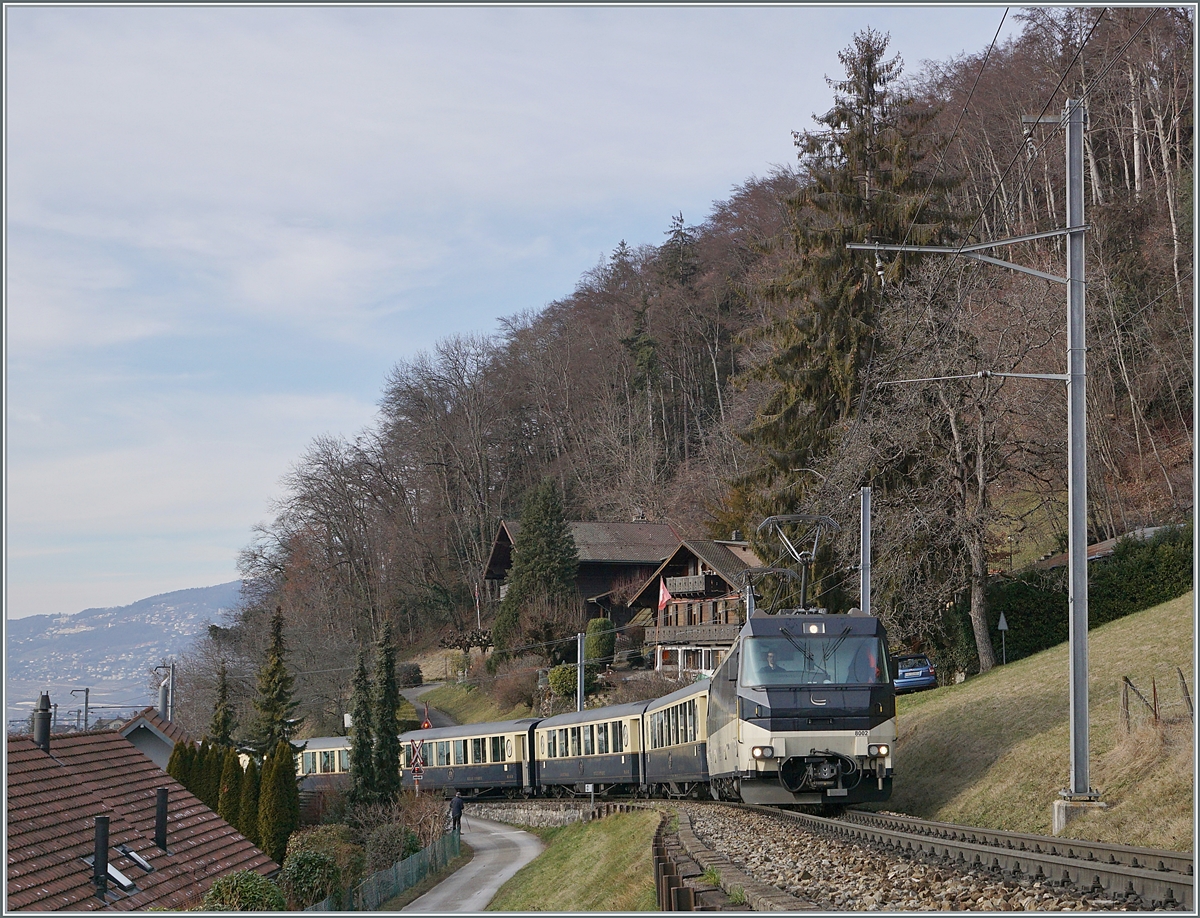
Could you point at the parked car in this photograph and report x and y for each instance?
(915, 671)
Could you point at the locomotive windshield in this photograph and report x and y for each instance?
(798, 659)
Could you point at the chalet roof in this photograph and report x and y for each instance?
(726, 559)
(168, 730)
(597, 543)
(53, 800)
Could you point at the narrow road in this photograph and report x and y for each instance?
(436, 717)
(500, 851)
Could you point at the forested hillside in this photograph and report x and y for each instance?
(746, 364)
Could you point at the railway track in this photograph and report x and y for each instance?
(1158, 878)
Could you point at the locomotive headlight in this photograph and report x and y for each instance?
(877, 750)
(763, 752)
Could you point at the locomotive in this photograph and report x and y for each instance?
(801, 711)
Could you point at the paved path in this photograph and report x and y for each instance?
(500, 851)
(436, 717)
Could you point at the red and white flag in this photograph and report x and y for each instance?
(663, 596)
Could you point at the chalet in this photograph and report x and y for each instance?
(613, 557)
(93, 824)
(692, 605)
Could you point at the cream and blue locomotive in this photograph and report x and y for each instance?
(803, 711)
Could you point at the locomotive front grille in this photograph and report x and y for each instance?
(818, 771)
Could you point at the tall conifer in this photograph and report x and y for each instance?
(275, 703)
(223, 723)
(386, 704)
(362, 738)
(248, 807)
(229, 802)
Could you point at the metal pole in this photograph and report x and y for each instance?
(579, 672)
(1077, 456)
(171, 695)
(864, 585)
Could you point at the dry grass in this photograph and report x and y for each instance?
(470, 705)
(598, 866)
(994, 751)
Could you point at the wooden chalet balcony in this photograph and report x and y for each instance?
(693, 634)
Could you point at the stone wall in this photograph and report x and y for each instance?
(540, 815)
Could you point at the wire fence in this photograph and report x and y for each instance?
(1167, 698)
(376, 889)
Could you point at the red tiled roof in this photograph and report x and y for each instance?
(168, 728)
(53, 802)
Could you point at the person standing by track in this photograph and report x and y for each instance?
(456, 808)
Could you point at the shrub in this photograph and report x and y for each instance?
(512, 689)
(563, 680)
(337, 841)
(244, 891)
(408, 675)
(389, 843)
(308, 876)
(600, 642)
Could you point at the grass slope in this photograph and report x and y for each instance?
(470, 705)
(994, 751)
(599, 866)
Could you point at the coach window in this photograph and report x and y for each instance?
(497, 748)
(308, 762)
(460, 752)
(574, 741)
(478, 751)
(443, 753)
(407, 755)
(562, 742)
(602, 739)
(616, 736)
(327, 762)
(343, 760)
(588, 740)
(551, 747)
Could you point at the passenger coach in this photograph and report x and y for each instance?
(601, 747)
(676, 727)
(472, 758)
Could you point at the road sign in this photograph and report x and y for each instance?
(418, 752)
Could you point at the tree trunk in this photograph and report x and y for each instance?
(979, 622)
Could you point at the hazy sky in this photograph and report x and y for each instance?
(224, 225)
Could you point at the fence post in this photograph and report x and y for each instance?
(1154, 695)
(1187, 698)
(1125, 704)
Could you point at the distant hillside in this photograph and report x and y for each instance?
(107, 650)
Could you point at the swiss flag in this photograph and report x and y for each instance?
(663, 596)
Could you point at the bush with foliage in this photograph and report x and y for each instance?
(600, 642)
(1139, 574)
(244, 891)
(309, 876)
(564, 680)
(389, 843)
(408, 675)
(337, 841)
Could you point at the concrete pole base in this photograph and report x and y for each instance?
(1063, 811)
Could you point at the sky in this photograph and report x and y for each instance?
(224, 225)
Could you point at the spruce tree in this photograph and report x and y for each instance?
(863, 178)
(275, 704)
(229, 802)
(278, 802)
(248, 807)
(223, 723)
(362, 738)
(545, 561)
(386, 702)
(176, 762)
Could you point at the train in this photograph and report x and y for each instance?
(802, 711)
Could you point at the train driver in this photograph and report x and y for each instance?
(771, 665)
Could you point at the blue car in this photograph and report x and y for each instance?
(914, 672)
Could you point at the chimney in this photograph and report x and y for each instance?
(162, 700)
(737, 535)
(100, 860)
(160, 819)
(41, 723)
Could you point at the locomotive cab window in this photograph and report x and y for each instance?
(814, 659)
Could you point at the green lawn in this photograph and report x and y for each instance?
(599, 866)
(994, 750)
(468, 705)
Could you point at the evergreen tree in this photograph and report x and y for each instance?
(862, 180)
(223, 723)
(600, 642)
(248, 806)
(544, 561)
(229, 802)
(386, 703)
(278, 802)
(362, 738)
(275, 704)
(175, 762)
